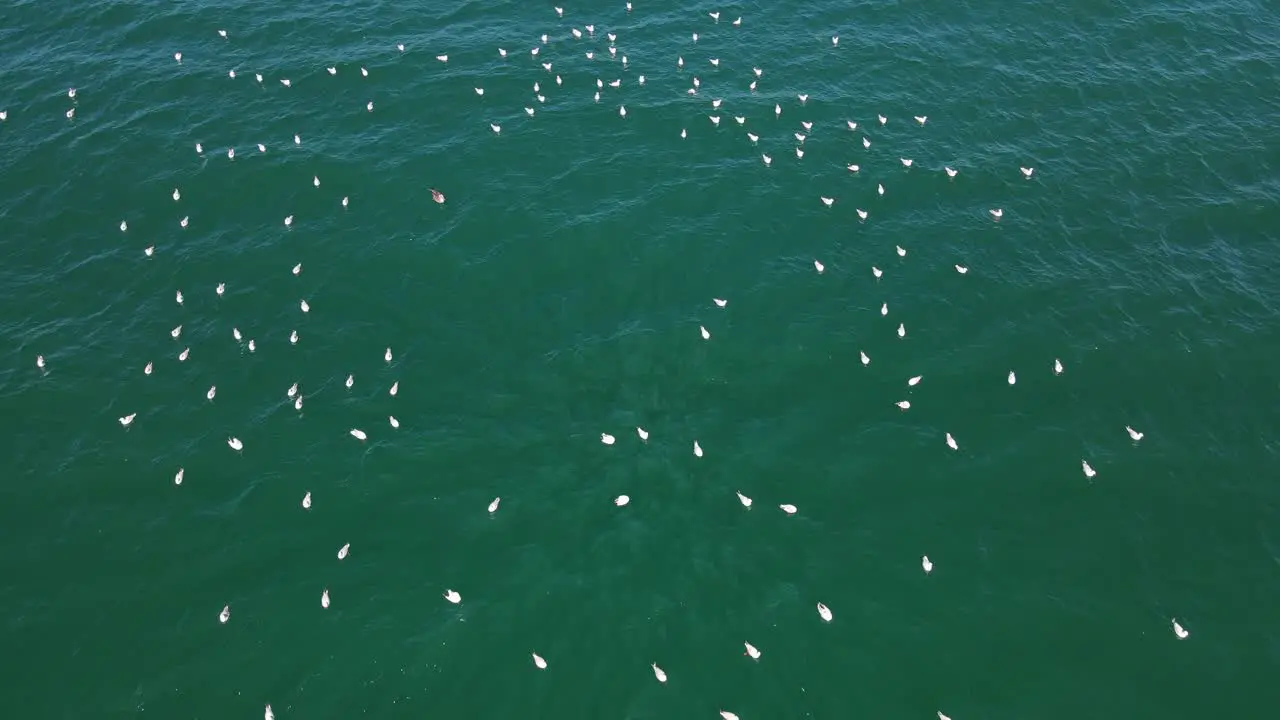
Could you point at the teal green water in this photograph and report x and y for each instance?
(558, 295)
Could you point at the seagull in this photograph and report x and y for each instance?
(803, 98)
(285, 82)
(622, 110)
(178, 297)
(1026, 172)
(493, 506)
(706, 335)
(235, 444)
(479, 91)
(176, 332)
(879, 189)
(395, 388)
(127, 420)
(835, 40)
(345, 200)
(799, 153)
(866, 143)
(222, 33)
(222, 288)
(746, 501)
(213, 390)
(739, 119)
(297, 269)
(658, 673)
(305, 307)
(697, 449)
(788, 508)
(853, 168)
(502, 53)
(950, 172)
(714, 16)
(315, 180)
(735, 22)
(799, 138)
(951, 442)
(306, 501)
(123, 226)
(387, 355)
(997, 213)
(177, 478)
(1089, 472)
(324, 598)
(293, 390)
(358, 434)
(182, 356)
(621, 500)
(437, 196)
(332, 70)
(147, 370)
(1133, 433)
(1057, 366)
(452, 596)
(644, 434)
(176, 195)
(903, 404)
(369, 106)
(288, 221)
(852, 125)
(777, 110)
(40, 361)
(715, 120)
(445, 58)
(751, 651)
(1012, 378)
(818, 266)
(912, 382)
(297, 139)
(877, 272)
(392, 419)
(607, 439)
(828, 201)
(496, 128)
(902, 330)
(351, 380)
(539, 662)
(719, 302)
(926, 564)
(1179, 630)
(267, 714)
(223, 617)
(715, 62)
(906, 162)
(824, 612)
(178, 57)
(884, 310)
(753, 138)
(529, 111)
(183, 221)
(767, 159)
(922, 119)
(962, 269)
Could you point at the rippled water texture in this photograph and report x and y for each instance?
(558, 295)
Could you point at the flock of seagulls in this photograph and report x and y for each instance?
(802, 131)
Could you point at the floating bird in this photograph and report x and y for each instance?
(926, 564)
(176, 332)
(751, 651)
(332, 70)
(387, 355)
(40, 361)
(235, 444)
(452, 596)
(621, 500)
(222, 33)
(293, 390)
(950, 172)
(706, 335)
(177, 478)
(182, 356)
(746, 501)
(862, 214)
(879, 189)
(493, 506)
(912, 382)
(359, 435)
(267, 714)
(658, 673)
(644, 434)
(288, 221)
(1179, 631)
(315, 180)
(344, 201)
(818, 266)
(697, 449)
(344, 551)
(866, 143)
(719, 302)
(799, 153)
(951, 442)
(828, 201)
(539, 662)
(777, 110)
(901, 252)
(865, 359)
(147, 370)
(906, 162)
(305, 307)
(1057, 366)
(803, 98)
(962, 269)
(714, 16)
(394, 422)
(123, 226)
(607, 439)
(183, 222)
(395, 388)
(297, 269)
(177, 56)
(902, 330)
(753, 139)
(324, 598)
(222, 288)
(213, 390)
(922, 119)
(351, 380)
(364, 73)
(824, 612)
(445, 58)
(853, 168)
(884, 309)
(223, 617)
(127, 420)
(1026, 172)
(1134, 434)
(788, 508)
(1012, 378)
(726, 715)
(285, 82)
(1089, 472)
(997, 213)
(495, 128)
(767, 161)
(437, 196)
(306, 501)
(835, 40)
(178, 297)
(904, 404)
(622, 110)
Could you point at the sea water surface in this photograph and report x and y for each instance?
(559, 293)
